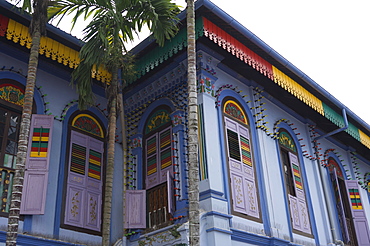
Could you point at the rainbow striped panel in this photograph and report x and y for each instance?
(151, 165)
(94, 165)
(165, 139)
(78, 159)
(40, 141)
(166, 159)
(246, 151)
(297, 177)
(151, 146)
(354, 195)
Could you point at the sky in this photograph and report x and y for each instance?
(328, 40)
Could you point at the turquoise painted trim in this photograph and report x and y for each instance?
(211, 194)
(215, 229)
(256, 152)
(63, 161)
(215, 213)
(305, 180)
(251, 238)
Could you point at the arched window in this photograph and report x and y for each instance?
(241, 166)
(158, 167)
(294, 183)
(351, 217)
(11, 102)
(84, 173)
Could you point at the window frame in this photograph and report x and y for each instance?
(70, 129)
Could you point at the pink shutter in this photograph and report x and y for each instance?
(248, 172)
(76, 182)
(300, 202)
(170, 194)
(243, 184)
(135, 209)
(339, 205)
(37, 165)
(358, 213)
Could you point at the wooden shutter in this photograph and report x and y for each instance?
(339, 205)
(152, 172)
(84, 184)
(37, 165)
(358, 213)
(75, 197)
(135, 209)
(170, 194)
(298, 205)
(165, 153)
(241, 170)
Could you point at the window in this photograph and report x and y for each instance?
(242, 174)
(294, 183)
(85, 174)
(11, 102)
(351, 216)
(158, 165)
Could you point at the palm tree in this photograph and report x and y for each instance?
(192, 128)
(37, 29)
(114, 23)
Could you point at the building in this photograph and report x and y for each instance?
(281, 161)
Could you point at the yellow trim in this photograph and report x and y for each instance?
(93, 119)
(365, 139)
(50, 48)
(237, 105)
(38, 154)
(42, 139)
(297, 90)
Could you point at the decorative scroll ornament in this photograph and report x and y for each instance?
(88, 124)
(234, 110)
(12, 94)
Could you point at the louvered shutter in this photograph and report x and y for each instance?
(358, 213)
(84, 184)
(152, 173)
(243, 187)
(37, 165)
(135, 209)
(298, 205)
(165, 153)
(75, 197)
(339, 205)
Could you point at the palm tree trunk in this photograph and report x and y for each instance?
(192, 129)
(112, 118)
(17, 188)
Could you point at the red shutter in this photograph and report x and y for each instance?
(299, 206)
(165, 154)
(37, 165)
(243, 185)
(339, 205)
(135, 209)
(358, 213)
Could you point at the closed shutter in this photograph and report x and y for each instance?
(298, 205)
(170, 194)
(241, 169)
(358, 213)
(135, 209)
(37, 165)
(84, 184)
(339, 205)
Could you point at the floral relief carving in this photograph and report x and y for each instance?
(92, 209)
(75, 204)
(251, 196)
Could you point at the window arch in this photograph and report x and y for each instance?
(241, 169)
(84, 173)
(294, 182)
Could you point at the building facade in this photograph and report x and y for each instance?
(281, 162)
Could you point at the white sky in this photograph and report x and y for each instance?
(329, 40)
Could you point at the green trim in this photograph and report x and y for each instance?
(171, 47)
